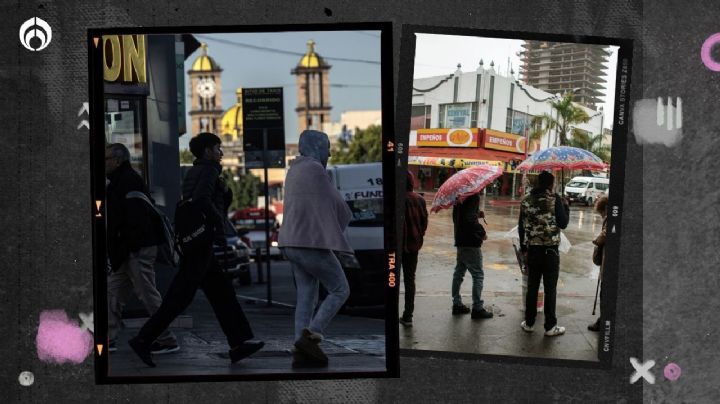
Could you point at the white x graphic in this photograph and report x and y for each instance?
(642, 371)
(87, 322)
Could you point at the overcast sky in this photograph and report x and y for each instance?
(439, 55)
(251, 67)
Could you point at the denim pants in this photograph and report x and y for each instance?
(468, 259)
(543, 263)
(137, 274)
(312, 266)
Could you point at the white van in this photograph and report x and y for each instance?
(361, 187)
(586, 189)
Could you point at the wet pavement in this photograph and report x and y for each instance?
(353, 344)
(434, 328)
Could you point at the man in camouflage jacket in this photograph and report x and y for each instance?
(542, 215)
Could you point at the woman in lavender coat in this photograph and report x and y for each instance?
(315, 216)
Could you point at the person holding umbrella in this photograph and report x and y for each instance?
(469, 236)
(542, 215)
(461, 191)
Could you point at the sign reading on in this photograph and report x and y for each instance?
(461, 137)
(124, 58)
(263, 111)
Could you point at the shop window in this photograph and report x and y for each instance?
(459, 115)
(124, 124)
(420, 117)
(517, 121)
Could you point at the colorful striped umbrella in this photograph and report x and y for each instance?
(563, 157)
(463, 184)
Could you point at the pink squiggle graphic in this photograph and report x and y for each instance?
(60, 340)
(705, 55)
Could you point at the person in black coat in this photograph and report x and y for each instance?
(198, 266)
(134, 231)
(469, 236)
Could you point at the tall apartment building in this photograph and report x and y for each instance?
(559, 67)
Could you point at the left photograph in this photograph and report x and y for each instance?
(238, 203)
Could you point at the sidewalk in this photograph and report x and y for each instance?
(353, 344)
(434, 326)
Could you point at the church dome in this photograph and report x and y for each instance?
(232, 121)
(205, 63)
(311, 59)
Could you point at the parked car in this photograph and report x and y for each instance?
(234, 258)
(586, 189)
(250, 225)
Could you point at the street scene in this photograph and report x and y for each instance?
(244, 203)
(354, 342)
(434, 328)
(514, 125)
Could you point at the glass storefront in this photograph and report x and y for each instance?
(124, 123)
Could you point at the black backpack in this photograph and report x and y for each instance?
(167, 251)
(191, 226)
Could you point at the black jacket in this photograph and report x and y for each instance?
(468, 230)
(204, 184)
(131, 223)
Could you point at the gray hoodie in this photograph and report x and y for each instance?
(315, 215)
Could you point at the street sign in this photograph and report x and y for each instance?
(263, 113)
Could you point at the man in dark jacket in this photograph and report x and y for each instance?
(133, 233)
(469, 235)
(416, 221)
(198, 267)
(542, 215)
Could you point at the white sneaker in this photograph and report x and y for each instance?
(555, 331)
(526, 328)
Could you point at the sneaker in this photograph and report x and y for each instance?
(555, 331)
(406, 321)
(112, 346)
(481, 314)
(142, 349)
(595, 326)
(308, 345)
(527, 328)
(460, 309)
(158, 348)
(244, 350)
(300, 360)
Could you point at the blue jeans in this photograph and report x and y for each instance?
(468, 259)
(310, 267)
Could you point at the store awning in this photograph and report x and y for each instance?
(459, 157)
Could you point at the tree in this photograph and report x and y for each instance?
(186, 157)
(364, 147)
(567, 115)
(245, 189)
(593, 144)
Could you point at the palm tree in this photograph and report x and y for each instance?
(593, 144)
(567, 115)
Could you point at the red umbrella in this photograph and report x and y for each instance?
(463, 184)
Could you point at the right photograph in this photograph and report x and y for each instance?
(510, 163)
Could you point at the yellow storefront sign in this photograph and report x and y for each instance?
(124, 56)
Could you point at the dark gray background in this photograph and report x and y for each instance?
(669, 205)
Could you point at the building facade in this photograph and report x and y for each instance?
(559, 67)
(479, 117)
(313, 90)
